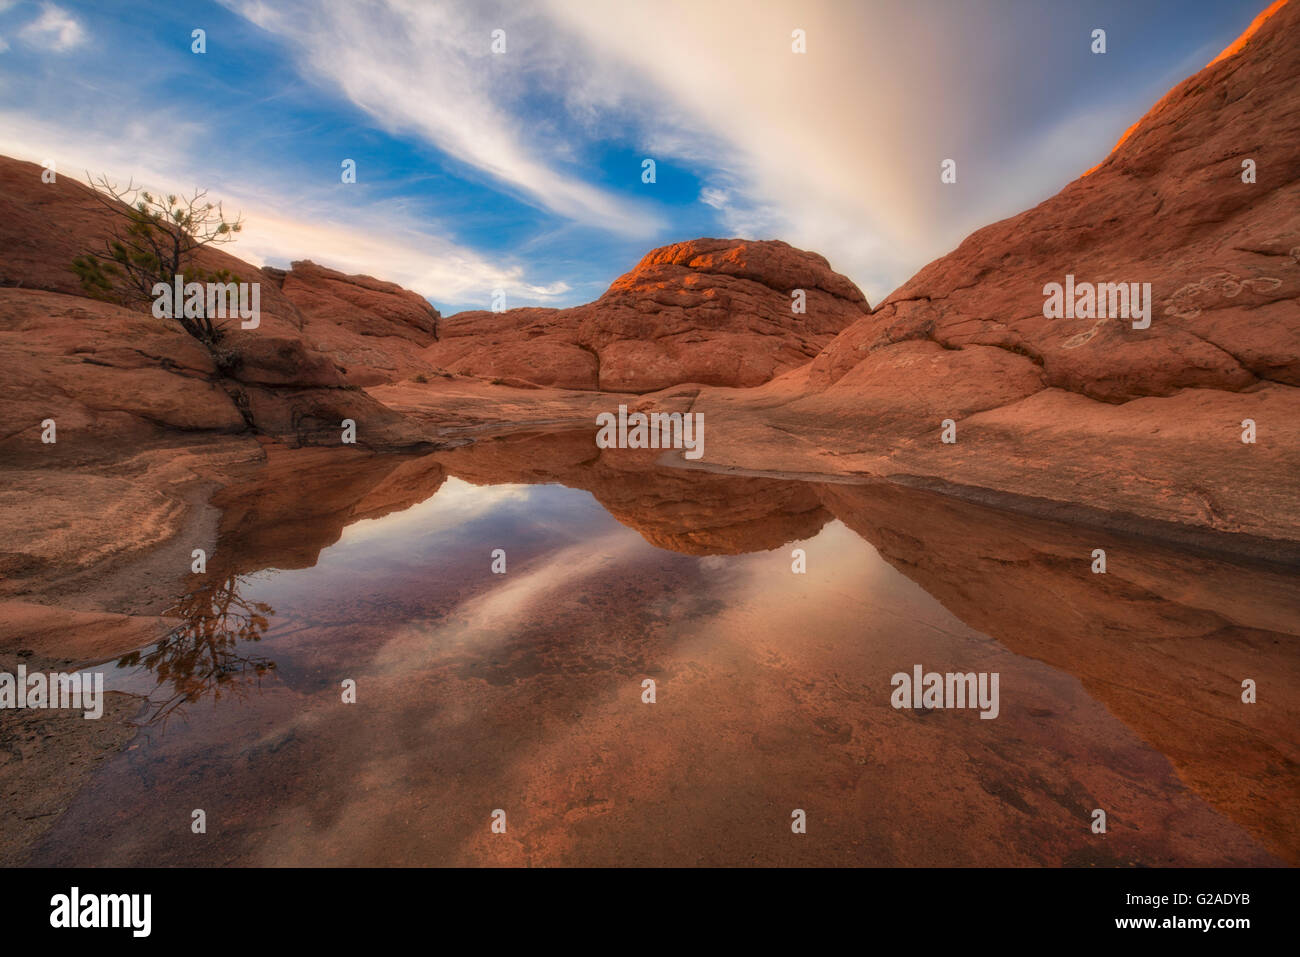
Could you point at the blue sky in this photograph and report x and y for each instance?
(522, 170)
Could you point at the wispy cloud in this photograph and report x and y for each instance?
(521, 170)
(711, 196)
(839, 149)
(54, 29)
(428, 68)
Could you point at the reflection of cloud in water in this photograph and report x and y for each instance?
(479, 624)
(456, 503)
(523, 690)
(491, 619)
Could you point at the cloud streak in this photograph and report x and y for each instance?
(428, 68)
(521, 170)
(839, 149)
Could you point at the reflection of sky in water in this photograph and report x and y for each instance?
(477, 690)
(556, 540)
(424, 575)
(458, 526)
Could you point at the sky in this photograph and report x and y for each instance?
(523, 170)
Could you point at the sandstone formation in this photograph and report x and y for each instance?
(712, 311)
(372, 330)
(96, 368)
(320, 332)
(1167, 207)
(1135, 422)
(44, 226)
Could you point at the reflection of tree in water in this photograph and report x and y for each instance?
(200, 656)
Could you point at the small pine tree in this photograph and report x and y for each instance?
(154, 240)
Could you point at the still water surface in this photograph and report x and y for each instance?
(523, 691)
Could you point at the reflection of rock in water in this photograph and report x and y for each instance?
(292, 509)
(300, 502)
(695, 513)
(202, 656)
(1164, 638)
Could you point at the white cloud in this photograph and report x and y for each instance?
(55, 29)
(838, 150)
(419, 66)
(455, 504)
(397, 251)
(717, 198)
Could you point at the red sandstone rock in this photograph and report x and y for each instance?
(1090, 412)
(370, 307)
(44, 226)
(713, 311)
(280, 360)
(103, 373)
(1167, 207)
(371, 330)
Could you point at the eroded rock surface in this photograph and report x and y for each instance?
(1145, 422)
(713, 311)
